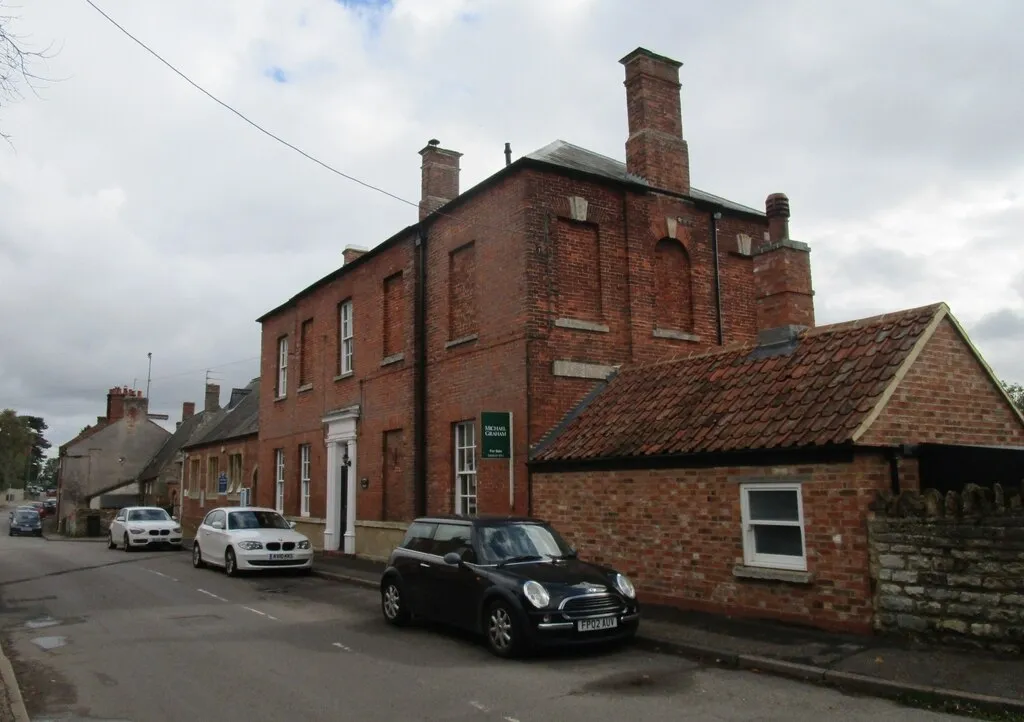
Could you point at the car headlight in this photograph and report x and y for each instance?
(536, 594)
(250, 545)
(625, 586)
(304, 544)
(137, 531)
(176, 530)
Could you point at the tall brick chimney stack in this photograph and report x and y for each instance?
(136, 406)
(212, 398)
(782, 273)
(115, 403)
(351, 253)
(440, 172)
(655, 149)
(188, 410)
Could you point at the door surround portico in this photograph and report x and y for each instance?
(342, 427)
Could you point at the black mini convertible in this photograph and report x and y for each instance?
(513, 580)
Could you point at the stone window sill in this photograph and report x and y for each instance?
(347, 374)
(279, 399)
(305, 519)
(304, 388)
(462, 340)
(675, 334)
(578, 325)
(793, 576)
(393, 359)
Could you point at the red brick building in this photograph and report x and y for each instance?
(221, 454)
(739, 480)
(513, 296)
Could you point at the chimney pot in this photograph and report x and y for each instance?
(655, 150)
(440, 177)
(776, 208)
(351, 253)
(508, 154)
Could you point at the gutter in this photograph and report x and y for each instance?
(420, 377)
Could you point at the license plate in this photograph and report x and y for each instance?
(281, 556)
(592, 625)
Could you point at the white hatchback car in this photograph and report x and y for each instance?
(246, 538)
(138, 527)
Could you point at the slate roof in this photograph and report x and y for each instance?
(816, 391)
(573, 157)
(233, 421)
(189, 427)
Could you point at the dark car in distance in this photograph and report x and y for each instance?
(514, 580)
(25, 522)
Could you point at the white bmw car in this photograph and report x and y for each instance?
(139, 527)
(245, 538)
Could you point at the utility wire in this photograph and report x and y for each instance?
(241, 115)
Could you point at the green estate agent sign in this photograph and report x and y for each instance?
(496, 440)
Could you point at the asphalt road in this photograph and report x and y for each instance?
(96, 634)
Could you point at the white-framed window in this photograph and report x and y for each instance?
(465, 468)
(347, 341)
(304, 478)
(773, 526)
(279, 480)
(282, 367)
(245, 497)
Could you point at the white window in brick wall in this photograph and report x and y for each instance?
(465, 468)
(304, 478)
(773, 526)
(282, 367)
(347, 347)
(279, 480)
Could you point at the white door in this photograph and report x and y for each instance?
(217, 536)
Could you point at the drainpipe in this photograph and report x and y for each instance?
(894, 472)
(715, 216)
(420, 380)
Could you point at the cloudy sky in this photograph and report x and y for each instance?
(138, 216)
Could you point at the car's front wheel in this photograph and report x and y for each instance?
(503, 629)
(230, 563)
(392, 603)
(110, 540)
(127, 544)
(197, 556)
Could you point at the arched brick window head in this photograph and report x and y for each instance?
(673, 290)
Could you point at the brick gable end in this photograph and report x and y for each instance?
(948, 397)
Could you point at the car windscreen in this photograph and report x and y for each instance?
(256, 520)
(505, 542)
(148, 515)
(26, 517)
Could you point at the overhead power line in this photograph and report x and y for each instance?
(242, 115)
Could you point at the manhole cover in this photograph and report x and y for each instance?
(50, 642)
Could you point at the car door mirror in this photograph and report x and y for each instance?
(291, 525)
(453, 559)
(217, 525)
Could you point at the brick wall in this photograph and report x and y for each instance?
(951, 569)
(678, 533)
(947, 397)
(193, 510)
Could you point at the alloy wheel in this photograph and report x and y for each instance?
(392, 602)
(499, 629)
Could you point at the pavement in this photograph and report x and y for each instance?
(98, 634)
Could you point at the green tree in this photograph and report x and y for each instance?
(39, 445)
(16, 443)
(1016, 393)
(48, 476)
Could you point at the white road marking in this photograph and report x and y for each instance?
(339, 645)
(211, 594)
(478, 706)
(161, 574)
(256, 611)
(511, 719)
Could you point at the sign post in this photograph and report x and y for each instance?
(496, 443)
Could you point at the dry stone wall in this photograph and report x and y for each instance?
(950, 568)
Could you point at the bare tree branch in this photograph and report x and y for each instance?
(17, 62)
